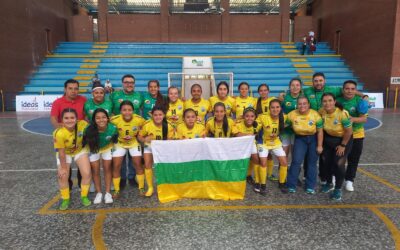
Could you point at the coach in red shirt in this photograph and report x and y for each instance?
(71, 99)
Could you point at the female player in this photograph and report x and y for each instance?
(223, 97)
(272, 123)
(152, 98)
(190, 128)
(197, 103)
(307, 125)
(97, 101)
(155, 129)
(249, 126)
(244, 100)
(128, 125)
(68, 145)
(338, 139)
(220, 125)
(262, 107)
(174, 107)
(100, 136)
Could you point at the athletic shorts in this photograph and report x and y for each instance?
(147, 149)
(254, 149)
(106, 155)
(119, 151)
(263, 151)
(287, 139)
(69, 158)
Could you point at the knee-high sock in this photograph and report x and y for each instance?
(64, 193)
(270, 166)
(84, 190)
(116, 182)
(282, 174)
(263, 175)
(149, 179)
(140, 180)
(257, 173)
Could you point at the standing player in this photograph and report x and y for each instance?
(197, 103)
(190, 128)
(152, 98)
(68, 145)
(174, 107)
(98, 101)
(220, 125)
(100, 136)
(358, 111)
(128, 125)
(244, 100)
(155, 129)
(338, 140)
(223, 97)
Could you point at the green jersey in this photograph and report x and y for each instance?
(289, 103)
(148, 103)
(106, 138)
(352, 106)
(315, 96)
(119, 96)
(90, 106)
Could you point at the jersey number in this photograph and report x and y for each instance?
(274, 130)
(266, 109)
(158, 137)
(173, 112)
(126, 132)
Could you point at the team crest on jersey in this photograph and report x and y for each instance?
(310, 123)
(91, 111)
(179, 107)
(196, 136)
(136, 102)
(134, 128)
(260, 149)
(336, 122)
(312, 96)
(228, 107)
(120, 100)
(289, 104)
(202, 109)
(108, 138)
(147, 101)
(80, 134)
(352, 109)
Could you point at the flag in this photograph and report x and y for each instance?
(212, 168)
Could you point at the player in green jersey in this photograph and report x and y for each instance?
(152, 98)
(127, 93)
(98, 101)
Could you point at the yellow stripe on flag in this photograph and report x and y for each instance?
(91, 60)
(215, 190)
(98, 51)
(305, 65)
(89, 66)
(86, 72)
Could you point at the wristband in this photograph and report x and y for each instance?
(342, 145)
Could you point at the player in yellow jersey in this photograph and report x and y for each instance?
(244, 101)
(262, 107)
(223, 96)
(174, 107)
(190, 128)
(155, 129)
(307, 126)
(100, 136)
(197, 103)
(249, 126)
(220, 125)
(68, 145)
(128, 125)
(272, 123)
(338, 139)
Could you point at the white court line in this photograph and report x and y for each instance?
(380, 124)
(54, 169)
(36, 133)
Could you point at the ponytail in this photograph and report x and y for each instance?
(259, 106)
(164, 129)
(225, 125)
(71, 110)
(281, 116)
(92, 137)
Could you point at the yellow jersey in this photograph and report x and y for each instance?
(265, 104)
(201, 108)
(182, 131)
(175, 109)
(270, 128)
(212, 128)
(128, 130)
(335, 123)
(229, 102)
(306, 124)
(243, 103)
(71, 141)
(242, 128)
(152, 129)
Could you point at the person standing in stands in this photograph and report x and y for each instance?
(127, 93)
(70, 99)
(358, 111)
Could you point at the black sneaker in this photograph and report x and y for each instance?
(122, 184)
(263, 190)
(250, 180)
(132, 182)
(283, 188)
(257, 187)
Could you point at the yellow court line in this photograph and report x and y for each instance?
(176, 56)
(49, 204)
(97, 232)
(379, 179)
(390, 225)
(217, 208)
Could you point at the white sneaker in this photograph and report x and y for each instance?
(99, 197)
(92, 188)
(333, 180)
(349, 186)
(108, 198)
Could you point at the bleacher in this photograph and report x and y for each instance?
(255, 63)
